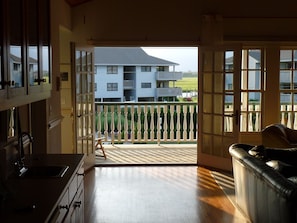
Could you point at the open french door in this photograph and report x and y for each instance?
(219, 105)
(83, 96)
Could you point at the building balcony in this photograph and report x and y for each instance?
(168, 76)
(129, 84)
(169, 92)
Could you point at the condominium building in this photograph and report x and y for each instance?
(130, 74)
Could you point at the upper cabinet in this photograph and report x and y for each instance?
(25, 52)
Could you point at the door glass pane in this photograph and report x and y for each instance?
(16, 38)
(45, 64)
(218, 82)
(33, 42)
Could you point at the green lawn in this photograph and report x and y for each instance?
(187, 84)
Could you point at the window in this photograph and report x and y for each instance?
(146, 69)
(146, 85)
(112, 86)
(288, 87)
(16, 66)
(253, 72)
(112, 69)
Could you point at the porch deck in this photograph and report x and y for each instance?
(148, 154)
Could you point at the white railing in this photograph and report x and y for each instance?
(147, 122)
(168, 75)
(170, 91)
(250, 120)
(289, 116)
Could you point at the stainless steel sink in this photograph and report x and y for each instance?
(44, 171)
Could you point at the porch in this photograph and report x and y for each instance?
(147, 154)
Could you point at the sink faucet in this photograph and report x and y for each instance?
(19, 164)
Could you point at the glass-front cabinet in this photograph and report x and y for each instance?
(25, 52)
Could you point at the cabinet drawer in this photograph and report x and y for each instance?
(61, 210)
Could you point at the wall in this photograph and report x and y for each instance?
(129, 22)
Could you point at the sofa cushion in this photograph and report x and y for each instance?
(283, 168)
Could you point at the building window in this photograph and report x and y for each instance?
(146, 85)
(16, 67)
(146, 69)
(112, 69)
(161, 69)
(112, 86)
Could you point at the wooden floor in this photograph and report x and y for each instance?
(156, 194)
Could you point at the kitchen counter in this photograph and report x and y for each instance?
(35, 199)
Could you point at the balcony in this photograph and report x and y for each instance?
(168, 92)
(168, 76)
(147, 122)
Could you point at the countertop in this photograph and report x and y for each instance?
(34, 199)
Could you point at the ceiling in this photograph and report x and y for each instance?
(73, 3)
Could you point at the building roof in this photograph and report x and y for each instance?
(127, 56)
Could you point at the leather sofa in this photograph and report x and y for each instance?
(279, 136)
(265, 182)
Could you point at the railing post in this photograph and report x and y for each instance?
(119, 127)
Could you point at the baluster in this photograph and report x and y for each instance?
(106, 121)
(126, 130)
(119, 127)
(295, 117)
(99, 113)
(191, 111)
(152, 136)
(145, 124)
(178, 123)
(185, 127)
(258, 118)
(283, 118)
(159, 127)
(132, 124)
(250, 122)
(289, 122)
(112, 124)
(139, 123)
(165, 125)
(172, 123)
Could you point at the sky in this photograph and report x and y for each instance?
(186, 57)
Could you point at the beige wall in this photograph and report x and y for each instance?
(174, 20)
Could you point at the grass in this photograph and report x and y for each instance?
(187, 84)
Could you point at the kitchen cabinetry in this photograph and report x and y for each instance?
(25, 64)
(70, 208)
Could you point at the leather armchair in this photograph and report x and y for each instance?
(279, 136)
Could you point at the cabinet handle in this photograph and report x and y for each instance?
(81, 174)
(77, 204)
(64, 207)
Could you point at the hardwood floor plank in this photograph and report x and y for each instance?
(148, 194)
